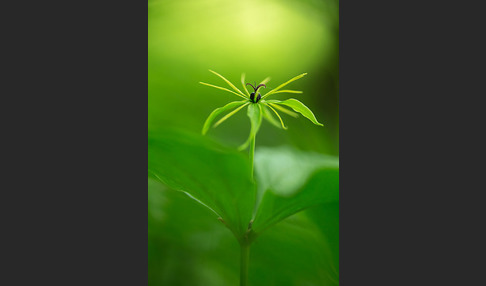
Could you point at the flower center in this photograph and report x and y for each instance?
(252, 95)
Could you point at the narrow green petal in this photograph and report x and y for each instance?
(284, 110)
(281, 121)
(222, 88)
(244, 84)
(288, 91)
(229, 82)
(301, 108)
(269, 117)
(265, 80)
(283, 84)
(217, 112)
(229, 115)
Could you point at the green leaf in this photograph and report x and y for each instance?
(217, 177)
(296, 243)
(298, 107)
(230, 114)
(217, 112)
(291, 181)
(269, 117)
(278, 115)
(284, 110)
(326, 218)
(255, 115)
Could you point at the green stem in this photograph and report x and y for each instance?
(252, 154)
(244, 262)
(245, 244)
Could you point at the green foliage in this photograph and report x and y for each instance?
(326, 219)
(269, 117)
(188, 247)
(216, 177)
(296, 252)
(217, 112)
(299, 107)
(288, 180)
(226, 193)
(259, 109)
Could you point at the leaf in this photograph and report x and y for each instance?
(291, 181)
(230, 114)
(278, 115)
(228, 82)
(217, 177)
(298, 107)
(222, 88)
(283, 84)
(284, 110)
(217, 112)
(255, 115)
(269, 117)
(326, 218)
(297, 243)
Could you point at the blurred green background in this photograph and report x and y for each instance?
(280, 39)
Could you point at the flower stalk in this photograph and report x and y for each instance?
(252, 155)
(244, 263)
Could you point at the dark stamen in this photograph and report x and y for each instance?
(259, 86)
(252, 95)
(251, 85)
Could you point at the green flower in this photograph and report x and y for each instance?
(258, 106)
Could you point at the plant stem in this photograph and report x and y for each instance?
(245, 244)
(252, 154)
(244, 262)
